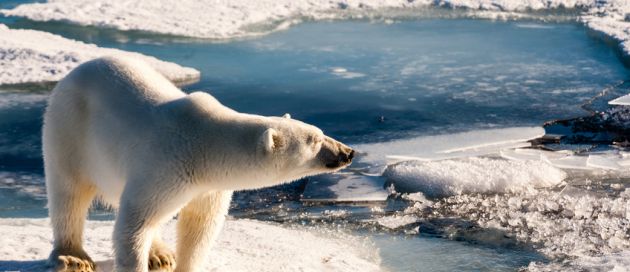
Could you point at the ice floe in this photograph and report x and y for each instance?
(28, 56)
(449, 146)
(243, 245)
(472, 175)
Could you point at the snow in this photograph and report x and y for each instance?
(28, 56)
(244, 245)
(224, 19)
(472, 175)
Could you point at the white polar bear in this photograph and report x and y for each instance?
(117, 129)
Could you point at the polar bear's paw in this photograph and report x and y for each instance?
(161, 259)
(67, 263)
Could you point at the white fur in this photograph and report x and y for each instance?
(117, 129)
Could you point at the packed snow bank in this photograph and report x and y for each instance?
(473, 175)
(244, 245)
(34, 56)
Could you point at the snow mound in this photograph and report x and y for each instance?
(472, 175)
(28, 56)
(244, 245)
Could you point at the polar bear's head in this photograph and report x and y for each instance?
(295, 149)
(253, 151)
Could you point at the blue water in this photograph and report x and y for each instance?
(359, 82)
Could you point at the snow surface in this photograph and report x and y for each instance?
(222, 19)
(28, 56)
(244, 245)
(472, 175)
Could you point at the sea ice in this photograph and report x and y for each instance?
(244, 245)
(624, 100)
(223, 19)
(440, 147)
(603, 162)
(35, 56)
(472, 175)
(590, 232)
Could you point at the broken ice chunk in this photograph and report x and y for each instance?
(570, 162)
(603, 162)
(624, 100)
(477, 142)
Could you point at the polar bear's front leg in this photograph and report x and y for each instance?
(143, 208)
(199, 224)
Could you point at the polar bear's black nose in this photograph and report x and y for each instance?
(346, 156)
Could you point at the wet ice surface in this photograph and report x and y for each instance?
(370, 83)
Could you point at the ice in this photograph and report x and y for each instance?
(439, 147)
(569, 162)
(223, 19)
(243, 245)
(590, 232)
(565, 160)
(472, 152)
(603, 162)
(472, 175)
(344, 73)
(624, 100)
(396, 221)
(530, 154)
(345, 187)
(35, 56)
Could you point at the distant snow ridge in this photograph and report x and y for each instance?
(221, 19)
(473, 175)
(36, 56)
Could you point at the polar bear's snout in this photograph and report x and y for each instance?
(335, 154)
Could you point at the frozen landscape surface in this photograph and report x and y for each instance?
(34, 56)
(244, 245)
(222, 19)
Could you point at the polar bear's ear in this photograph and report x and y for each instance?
(270, 139)
(286, 115)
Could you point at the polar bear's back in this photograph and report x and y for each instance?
(99, 113)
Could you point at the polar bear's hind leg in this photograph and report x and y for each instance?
(69, 200)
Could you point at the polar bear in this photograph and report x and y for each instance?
(116, 129)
